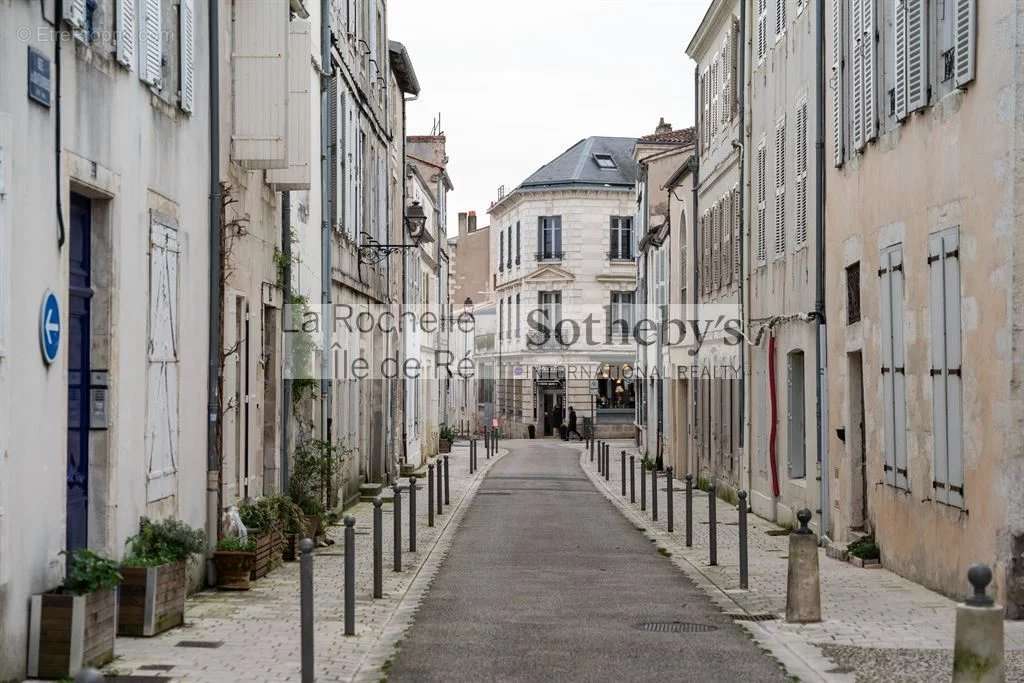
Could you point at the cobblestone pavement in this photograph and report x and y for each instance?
(864, 610)
(258, 630)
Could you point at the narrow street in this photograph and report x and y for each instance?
(546, 580)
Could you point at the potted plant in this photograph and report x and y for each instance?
(261, 521)
(445, 439)
(151, 598)
(313, 479)
(75, 626)
(234, 560)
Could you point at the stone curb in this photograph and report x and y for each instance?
(373, 663)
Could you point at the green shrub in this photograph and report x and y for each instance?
(89, 572)
(314, 471)
(259, 515)
(234, 544)
(865, 548)
(163, 542)
(447, 433)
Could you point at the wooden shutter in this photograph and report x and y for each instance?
(870, 48)
(126, 33)
(151, 64)
(916, 54)
(857, 81)
(946, 360)
(736, 219)
(838, 82)
(900, 58)
(964, 41)
(800, 232)
(332, 150)
(186, 56)
(705, 256)
(351, 127)
(716, 245)
(892, 366)
(762, 29)
(780, 188)
(161, 437)
(762, 196)
(734, 36)
(780, 17)
(74, 13)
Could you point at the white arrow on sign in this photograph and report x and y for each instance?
(51, 327)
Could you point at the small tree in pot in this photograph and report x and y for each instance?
(445, 439)
(75, 626)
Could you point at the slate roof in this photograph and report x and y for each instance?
(683, 136)
(578, 166)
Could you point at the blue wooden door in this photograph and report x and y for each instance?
(80, 293)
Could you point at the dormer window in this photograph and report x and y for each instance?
(605, 161)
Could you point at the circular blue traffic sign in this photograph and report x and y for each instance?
(49, 327)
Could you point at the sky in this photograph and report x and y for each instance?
(518, 82)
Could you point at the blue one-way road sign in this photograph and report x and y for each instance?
(49, 327)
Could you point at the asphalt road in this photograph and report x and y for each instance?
(546, 580)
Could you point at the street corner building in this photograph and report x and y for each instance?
(562, 247)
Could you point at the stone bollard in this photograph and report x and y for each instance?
(350, 575)
(978, 646)
(306, 608)
(396, 489)
(632, 479)
(803, 585)
(378, 548)
(412, 513)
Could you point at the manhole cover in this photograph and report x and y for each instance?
(754, 617)
(207, 644)
(675, 627)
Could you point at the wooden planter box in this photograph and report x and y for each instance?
(444, 446)
(233, 569)
(70, 632)
(268, 553)
(151, 599)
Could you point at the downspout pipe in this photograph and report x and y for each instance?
(286, 290)
(216, 305)
(326, 207)
(821, 411)
(695, 249)
(741, 106)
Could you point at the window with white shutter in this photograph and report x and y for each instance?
(911, 56)
(780, 187)
(762, 197)
(333, 211)
(705, 239)
(351, 131)
(964, 40)
(780, 18)
(762, 30)
(703, 111)
(501, 251)
(727, 228)
(800, 229)
(716, 245)
(186, 54)
(75, 13)
(126, 33)
(946, 358)
(838, 83)
(869, 46)
(857, 74)
(161, 438)
(151, 56)
(894, 401)
(736, 219)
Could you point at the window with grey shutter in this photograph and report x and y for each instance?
(518, 244)
(150, 37)
(501, 318)
(800, 231)
(716, 245)
(891, 288)
(501, 251)
(838, 84)
(762, 207)
(518, 315)
(796, 433)
(780, 187)
(161, 442)
(332, 150)
(126, 33)
(509, 260)
(945, 339)
(869, 46)
(736, 221)
(857, 74)
(186, 55)
(911, 56)
(762, 29)
(964, 40)
(780, 18)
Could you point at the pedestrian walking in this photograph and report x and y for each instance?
(572, 425)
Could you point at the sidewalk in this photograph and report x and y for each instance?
(254, 635)
(877, 625)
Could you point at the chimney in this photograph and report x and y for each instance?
(663, 127)
(471, 227)
(463, 222)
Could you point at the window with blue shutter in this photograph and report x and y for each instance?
(946, 358)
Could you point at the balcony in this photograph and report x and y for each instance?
(617, 256)
(549, 256)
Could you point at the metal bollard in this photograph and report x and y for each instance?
(671, 504)
(743, 539)
(447, 488)
(600, 454)
(654, 493)
(607, 460)
(472, 457)
(412, 513)
(430, 494)
(306, 608)
(591, 445)
(494, 451)
(632, 479)
(643, 487)
(396, 489)
(622, 456)
(440, 488)
(378, 548)
(713, 525)
(689, 510)
(350, 575)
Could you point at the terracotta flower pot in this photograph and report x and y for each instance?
(233, 569)
(151, 600)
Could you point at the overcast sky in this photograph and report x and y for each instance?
(518, 82)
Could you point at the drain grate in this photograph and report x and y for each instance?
(156, 667)
(675, 627)
(754, 617)
(206, 644)
(493, 493)
(777, 532)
